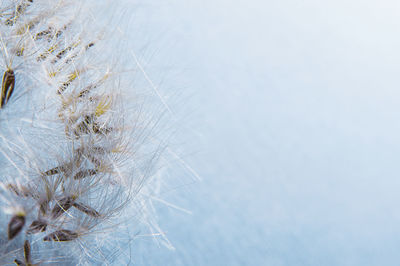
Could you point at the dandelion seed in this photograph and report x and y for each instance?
(37, 227)
(15, 225)
(64, 51)
(46, 51)
(85, 173)
(27, 256)
(90, 125)
(43, 33)
(7, 86)
(61, 236)
(53, 171)
(86, 209)
(27, 252)
(86, 91)
(62, 206)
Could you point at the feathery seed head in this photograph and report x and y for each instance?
(73, 155)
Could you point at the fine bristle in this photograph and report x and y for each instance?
(76, 154)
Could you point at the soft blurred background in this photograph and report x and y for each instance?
(290, 116)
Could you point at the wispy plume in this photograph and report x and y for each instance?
(78, 143)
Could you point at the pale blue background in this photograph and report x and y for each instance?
(293, 117)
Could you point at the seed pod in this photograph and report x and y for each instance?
(85, 173)
(62, 206)
(86, 209)
(7, 86)
(15, 225)
(43, 33)
(61, 235)
(53, 171)
(27, 252)
(27, 256)
(37, 227)
(62, 53)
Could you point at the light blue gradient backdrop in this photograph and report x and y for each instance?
(295, 119)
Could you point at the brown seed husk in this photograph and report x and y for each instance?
(7, 86)
(86, 209)
(61, 236)
(62, 206)
(37, 227)
(15, 225)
